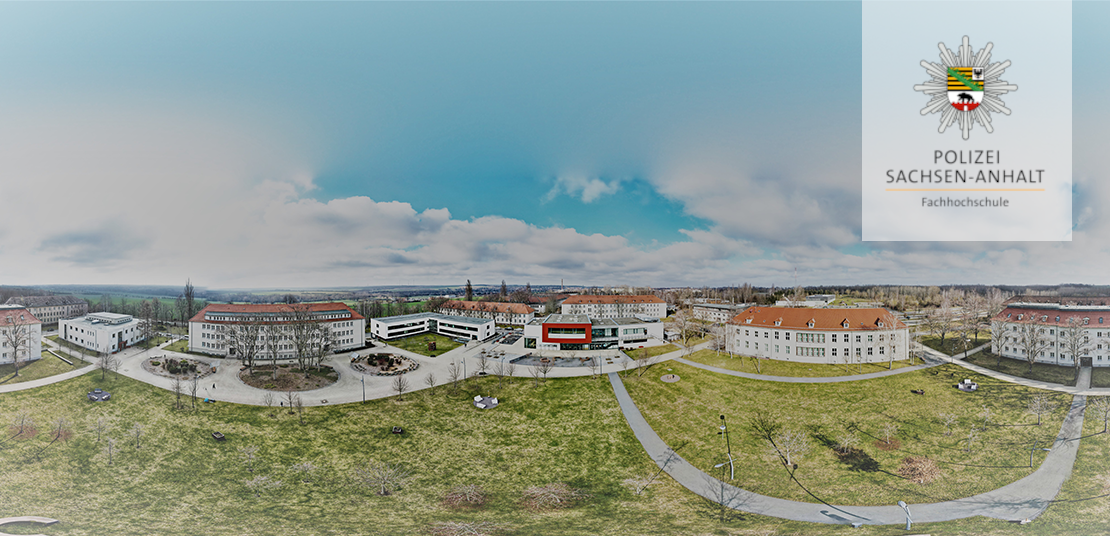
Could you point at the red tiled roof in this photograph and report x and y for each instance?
(9, 317)
(1048, 316)
(646, 298)
(800, 318)
(274, 308)
(498, 307)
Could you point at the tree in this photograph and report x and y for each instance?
(400, 385)
(534, 370)
(499, 371)
(888, 432)
(248, 454)
(178, 388)
(384, 477)
(268, 399)
(146, 325)
(137, 431)
(303, 332)
(273, 340)
(545, 369)
(1041, 405)
(593, 363)
(290, 396)
(949, 420)
(190, 303)
(510, 370)
(17, 336)
(108, 362)
(111, 445)
(942, 320)
(243, 340)
(325, 340)
(483, 361)
(194, 386)
(999, 338)
(156, 309)
(1102, 405)
(1074, 340)
(101, 426)
(430, 381)
(972, 435)
(181, 308)
(790, 446)
(1032, 341)
(298, 403)
(453, 373)
(469, 291)
(504, 293)
(260, 483)
(847, 442)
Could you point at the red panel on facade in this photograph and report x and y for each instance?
(584, 339)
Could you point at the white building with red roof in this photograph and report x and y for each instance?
(615, 306)
(20, 335)
(1051, 322)
(208, 329)
(828, 336)
(517, 314)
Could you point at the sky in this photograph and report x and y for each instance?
(354, 144)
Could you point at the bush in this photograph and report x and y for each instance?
(155, 363)
(552, 496)
(461, 528)
(919, 469)
(472, 496)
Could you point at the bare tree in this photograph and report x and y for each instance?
(499, 371)
(1032, 340)
(430, 381)
(306, 470)
(847, 441)
(289, 397)
(483, 361)
(303, 333)
(972, 435)
(194, 385)
(1101, 404)
(325, 341)
(1074, 340)
(986, 415)
(888, 431)
(999, 338)
(268, 399)
(943, 320)
(383, 477)
(949, 420)
(400, 385)
(534, 371)
(146, 325)
(545, 369)
(1041, 405)
(274, 336)
(260, 483)
(177, 387)
(109, 362)
(243, 341)
(110, 447)
(249, 453)
(790, 446)
(510, 371)
(298, 403)
(190, 302)
(453, 373)
(137, 431)
(101, 426)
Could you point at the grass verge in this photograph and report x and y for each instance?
(773, 367)
(418, 344)
(38, 369)
(1063, 375)
(953, 345)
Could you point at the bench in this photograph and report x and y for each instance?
(218, 436)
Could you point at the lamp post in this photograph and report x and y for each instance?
(363, 380)
(906, 507)
(724, 432)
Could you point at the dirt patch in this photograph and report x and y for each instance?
(288, 378)
(919, 469)
(170, 367)
(893, 445)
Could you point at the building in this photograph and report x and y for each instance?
(208, 329)
(813, 300)
(19, 327)
(581, 332)
(101, 332)
(502, 313)
(1053, 324)
(456, 327)
(51, 309)
(830, 336)
(615, 306)
(717, 312)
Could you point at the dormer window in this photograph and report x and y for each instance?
(810, 324)
(778, 322)
(845, 324)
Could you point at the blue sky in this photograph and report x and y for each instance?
(269, 144)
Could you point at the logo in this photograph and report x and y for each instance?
(965, 88)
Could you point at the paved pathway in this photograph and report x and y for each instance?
(1081, 388)
(1025, 499)
(49, 379)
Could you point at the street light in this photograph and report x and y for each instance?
(363, 380)
(731, 467)
(906, 507)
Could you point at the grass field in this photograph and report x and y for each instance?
(1100, 377)
(180, 345)
(1063, 375)
(952, 344)
(772, 367)
(419, 344)
(650, 351)
(40, 368)
(687, 413)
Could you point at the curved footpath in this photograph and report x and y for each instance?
(1025, 499)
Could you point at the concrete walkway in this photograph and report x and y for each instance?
(49, 379)
(1081, 388)
(1025, 499)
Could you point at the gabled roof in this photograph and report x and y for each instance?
(17, 317)
(830, 319)
(45, 301)
(273, 308)
(1048, 316)
(497, 307)
(588, 299)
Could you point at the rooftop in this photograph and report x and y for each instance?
(436, 316)
(498, 307)
(45, 301)
(273, 309)
(817, 319)
(587, 299)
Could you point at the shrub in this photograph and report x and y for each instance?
(464, 528)
(155, 363)
(552, 496)
(919, 469)
(465, 496)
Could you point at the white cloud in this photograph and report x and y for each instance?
(584, 188)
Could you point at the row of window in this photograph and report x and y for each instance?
(819, 337)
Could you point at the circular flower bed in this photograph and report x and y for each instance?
(384, 364)
(177, 368)
(289, 377)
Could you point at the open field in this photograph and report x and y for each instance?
(952, 344)
(419, 344)
(1063, 375)
(650, 351)
(773, 367)
(687, 412)
(40, 368)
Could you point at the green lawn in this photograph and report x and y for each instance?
(772, 367)
(180, 345)
(952, 344)
(650, 351)
(69, 345)
(40, 368)
(1064, 375)
(419, 344)
(687, 413)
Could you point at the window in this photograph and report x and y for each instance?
(788, 336)
(857, 338)
(870, 338)
(869, 350)
(834, 352)
(834, 339)
(776, 335)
